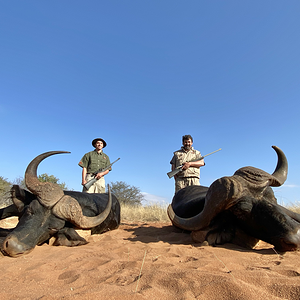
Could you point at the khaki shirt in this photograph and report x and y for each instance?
(181, 156)
(93, 161)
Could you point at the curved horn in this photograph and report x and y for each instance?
(69, 209)
(48, 193)
(280, 173)
(220, 196)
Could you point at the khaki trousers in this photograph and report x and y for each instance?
(97, 187)
(182, 182)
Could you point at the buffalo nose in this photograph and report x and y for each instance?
(291, 242)
(13, 247)
(295, 238)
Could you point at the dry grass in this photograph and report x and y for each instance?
(158, 213)
(294, 207)
(149, 213)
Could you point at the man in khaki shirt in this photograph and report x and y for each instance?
(93, 161)
(190, 174)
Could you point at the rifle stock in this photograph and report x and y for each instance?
(174, 172)
(179, 169)
(90, 183)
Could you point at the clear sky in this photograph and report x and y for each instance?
(140, 74)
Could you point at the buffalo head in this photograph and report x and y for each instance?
(47, 211)
(242, 202)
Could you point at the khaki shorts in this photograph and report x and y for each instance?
(97, 187)
(182, 182)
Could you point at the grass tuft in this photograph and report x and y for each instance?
(148, 213)
(294, 207)
(158, 213)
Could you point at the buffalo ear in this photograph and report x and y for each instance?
(20, 197)
(17, 197)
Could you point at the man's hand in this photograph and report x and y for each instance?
(186, 165)
(99, 175)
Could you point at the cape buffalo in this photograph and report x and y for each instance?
(240, 209)
(48, 211)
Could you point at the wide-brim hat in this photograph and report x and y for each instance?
(98, 139)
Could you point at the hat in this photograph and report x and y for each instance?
(98, 139)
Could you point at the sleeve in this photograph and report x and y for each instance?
(198, 154)
(173, 160)
(84, 162)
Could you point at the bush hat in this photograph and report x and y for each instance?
(98, 139)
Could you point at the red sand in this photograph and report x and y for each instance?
(150, 261)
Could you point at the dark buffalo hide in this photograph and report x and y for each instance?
(46, 211)
(37, 224)
(240, 209)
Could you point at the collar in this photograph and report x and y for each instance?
(101, 152)
(182, 148)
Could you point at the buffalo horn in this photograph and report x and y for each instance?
(47, 193)
(280, 173)
(220, 196)
(69, 209)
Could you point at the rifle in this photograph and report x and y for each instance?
(93, 180)
(179, 168)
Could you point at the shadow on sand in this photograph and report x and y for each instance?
(146, 233)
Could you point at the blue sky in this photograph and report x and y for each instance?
(140, 74)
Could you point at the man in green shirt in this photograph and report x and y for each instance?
(92, 162)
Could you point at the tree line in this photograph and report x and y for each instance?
(126, 194)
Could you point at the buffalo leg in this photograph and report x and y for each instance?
(68, 237)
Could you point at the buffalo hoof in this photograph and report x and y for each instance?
(244, 240)
(199, 236)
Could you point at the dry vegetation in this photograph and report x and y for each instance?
(294, 207)
(158, 213)
(149, 213)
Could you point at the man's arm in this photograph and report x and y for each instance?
(194, 164)
(84, 171)
(173, 168)
(101, 174)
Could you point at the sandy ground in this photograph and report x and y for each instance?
(150, 261)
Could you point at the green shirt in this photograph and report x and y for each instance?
(93, 161)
